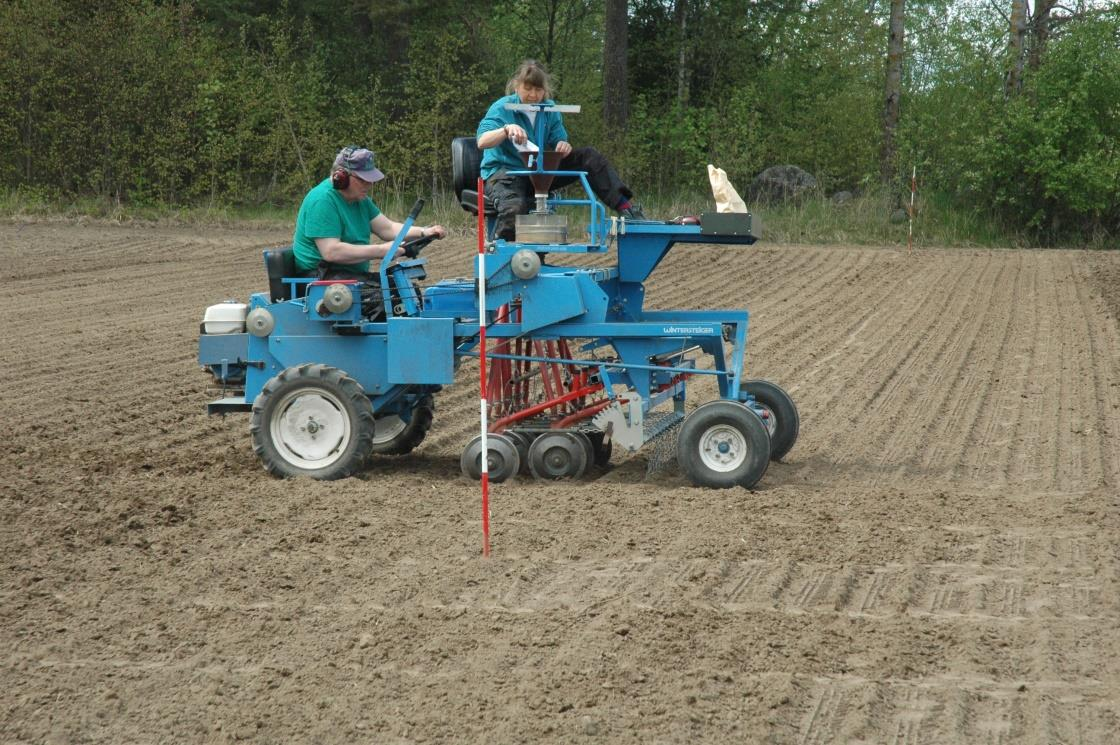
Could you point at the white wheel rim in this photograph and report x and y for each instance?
(723, 448)
(310, 429)
(386, 428)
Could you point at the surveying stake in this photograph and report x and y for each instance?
(913, 188)
(485, 476)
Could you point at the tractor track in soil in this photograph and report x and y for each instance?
(936, 560)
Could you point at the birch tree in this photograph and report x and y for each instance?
(893, 90)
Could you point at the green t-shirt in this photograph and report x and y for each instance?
(325, 214)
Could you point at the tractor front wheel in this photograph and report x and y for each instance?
(312, 420)
(723, 444)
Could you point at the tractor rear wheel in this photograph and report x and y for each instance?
(312, 420)
(723, 444)
(394, 436)
(782, 420)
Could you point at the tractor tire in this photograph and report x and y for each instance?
(393, 436)
(312, 420)
(723, 444)
(783, 422)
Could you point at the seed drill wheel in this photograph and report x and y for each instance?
(602, 447)
(521, 441)
(723, 444)
(394, 436)
(312, 420)
(557, 455)
(502, 460)
(588, 450)
(782, 421)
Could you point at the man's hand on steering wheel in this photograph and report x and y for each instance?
(413, 247)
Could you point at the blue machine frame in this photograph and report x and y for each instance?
(642, 358)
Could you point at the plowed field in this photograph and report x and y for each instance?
(936, 561)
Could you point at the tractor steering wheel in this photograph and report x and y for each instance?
(412, 248)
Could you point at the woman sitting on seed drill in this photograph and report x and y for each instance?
(501, 130)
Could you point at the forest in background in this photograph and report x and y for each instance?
(1007, 107)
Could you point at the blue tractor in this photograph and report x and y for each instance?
(576, 365)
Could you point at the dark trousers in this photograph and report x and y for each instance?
(513, 195)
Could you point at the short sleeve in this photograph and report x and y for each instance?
(322, 220)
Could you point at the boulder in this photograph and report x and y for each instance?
(781, 183)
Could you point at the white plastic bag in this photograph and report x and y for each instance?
(727, 199)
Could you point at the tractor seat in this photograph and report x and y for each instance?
(466, 161)
(280, 263)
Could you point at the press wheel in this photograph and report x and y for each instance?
(603, 447)
(588, 452)
(557, 455)
(501, 463)
(521, 441)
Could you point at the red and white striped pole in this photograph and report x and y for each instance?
(913, 188)
(482, 368)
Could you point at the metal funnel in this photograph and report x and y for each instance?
(541, 181)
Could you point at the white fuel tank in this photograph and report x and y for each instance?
(225, 318)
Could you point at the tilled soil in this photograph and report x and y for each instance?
(934, 562)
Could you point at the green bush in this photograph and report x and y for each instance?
(231, 104)
(1052, 162)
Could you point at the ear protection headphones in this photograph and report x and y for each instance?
(340, 179)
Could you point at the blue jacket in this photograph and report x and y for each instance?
(505, 156)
